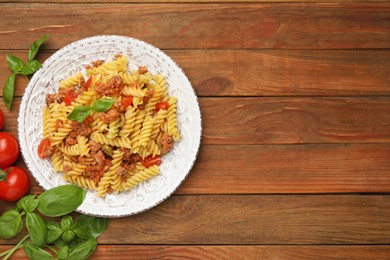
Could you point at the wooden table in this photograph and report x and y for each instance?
(295, 99)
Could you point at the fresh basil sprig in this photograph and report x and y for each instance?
(18, 67)
(74, 238)
(80, 113)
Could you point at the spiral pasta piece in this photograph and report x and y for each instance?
(71, 81)
(81, 181)
(128, 126)
(171, 119)
(146, 131)
(108, 176)
(60, 134)
(116, 142)
(140, 176)
(111, 68)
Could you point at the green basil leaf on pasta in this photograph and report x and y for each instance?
(15, 64)
(31, 67)
(103, 104)
(35, 47)
(80, 113)
(8, 90)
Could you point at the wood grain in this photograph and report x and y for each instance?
(203, 26)
(150, 252)
(295, 120)
(255, 220)
(285, 169)
(284, 120)
(270, 72)
(192, 1)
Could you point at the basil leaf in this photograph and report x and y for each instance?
(80, 113)
(67, 223)
(15, 64)
(60, 243)
(27, 203)
(77, 240)
(31, 67)
(61, 200)
(10, 224)
(68, 236)
(54, 231)
(8, 90)
(83, 250)
(36, 253)
(103, 104)
(63, 253)
(35, 47)
(36, 228)
(90, 227)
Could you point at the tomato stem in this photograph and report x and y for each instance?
(3, 175)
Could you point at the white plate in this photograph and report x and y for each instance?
(71, 59)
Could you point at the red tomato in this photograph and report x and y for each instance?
(42, 148)
(150, 161)
(14, 183)
(162, 105)
(69, 98)
(127, 101)
(88, 84)
(9, 149)
(1, 119)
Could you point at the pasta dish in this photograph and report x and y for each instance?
(109, 131)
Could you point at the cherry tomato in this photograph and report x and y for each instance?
(1, 119)
(88, 84)
(9, 149)
(42, 148)
(162, 105)
(150, 161)
(14, 183)
(127, 101)
(69, 98)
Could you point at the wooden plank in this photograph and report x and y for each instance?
(202, 26)
(285, 169)
(290, 169)
(233, 252)
(270, 72)
(295, 120)
(284, 120)
(256, 220)
(198, 1)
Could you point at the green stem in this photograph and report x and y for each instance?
(18, 245)
(52, 249)
(27, 78)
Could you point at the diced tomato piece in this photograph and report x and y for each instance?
(88, 84)
(162, 105)
(127, 101)
(43, 148)
(150, 161)
(69, 98)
